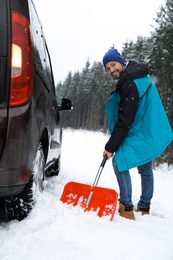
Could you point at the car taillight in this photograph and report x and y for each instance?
(21, 61)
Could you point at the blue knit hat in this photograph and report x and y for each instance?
(112, 55)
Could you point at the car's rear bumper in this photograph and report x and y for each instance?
(6, 192)
(12, 181)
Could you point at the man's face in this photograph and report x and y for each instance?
(114, 69)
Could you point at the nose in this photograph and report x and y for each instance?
(111, 69)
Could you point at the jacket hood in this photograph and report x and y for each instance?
(133, 71)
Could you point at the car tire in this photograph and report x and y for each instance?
(53, 167)
(18, 207)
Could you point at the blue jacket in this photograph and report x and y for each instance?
(150, 132)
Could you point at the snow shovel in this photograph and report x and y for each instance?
(101, 200)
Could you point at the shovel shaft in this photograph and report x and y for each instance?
(88, 199)
(96, 179)
(100, 171)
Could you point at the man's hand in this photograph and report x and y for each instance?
(109, 155)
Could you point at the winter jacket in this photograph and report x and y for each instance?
(139, 127)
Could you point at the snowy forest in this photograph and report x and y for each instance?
(90, 88)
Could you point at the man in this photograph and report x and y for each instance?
(139, 127)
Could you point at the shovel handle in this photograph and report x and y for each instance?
(96, 179)
(100, 170)
(104, 161)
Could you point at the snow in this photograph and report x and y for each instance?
(57, 231)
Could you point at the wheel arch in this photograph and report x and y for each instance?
(45, 142)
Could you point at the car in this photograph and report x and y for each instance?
(31, 132)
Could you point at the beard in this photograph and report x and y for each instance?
(116, 74)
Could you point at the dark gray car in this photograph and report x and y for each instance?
(30, 132)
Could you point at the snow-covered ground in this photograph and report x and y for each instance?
(57, 231)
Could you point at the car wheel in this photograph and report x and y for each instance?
(58, 165)
(53, 167)
(18, 207)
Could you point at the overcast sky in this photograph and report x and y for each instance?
(78, 30)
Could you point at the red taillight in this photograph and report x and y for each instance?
(21, 61)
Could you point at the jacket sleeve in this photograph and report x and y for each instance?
(129, 98)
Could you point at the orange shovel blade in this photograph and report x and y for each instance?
(103, 200)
